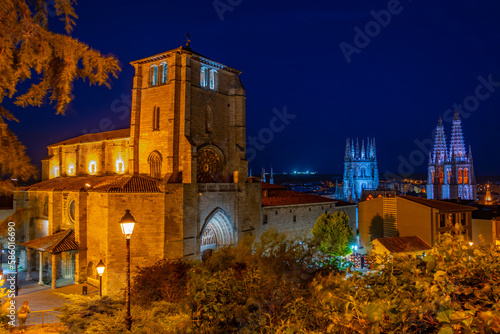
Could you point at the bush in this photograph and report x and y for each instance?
(164, 281)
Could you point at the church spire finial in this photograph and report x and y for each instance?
(188, 40)
(457, 115)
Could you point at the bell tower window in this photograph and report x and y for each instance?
(153, 75)
(204, 77)
(214, 76)
(163, 72)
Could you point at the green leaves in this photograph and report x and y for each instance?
(332, 234)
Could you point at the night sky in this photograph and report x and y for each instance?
(424, 57)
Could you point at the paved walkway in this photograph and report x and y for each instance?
(42, 297)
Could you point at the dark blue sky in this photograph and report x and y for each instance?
(396, 85)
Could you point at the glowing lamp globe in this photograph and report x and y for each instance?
(127, 223)
(100, 268)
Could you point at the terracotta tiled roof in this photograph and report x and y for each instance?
(95, 137)
(286, 197)
(404, 244)
(111, 184)
(56, 243)
(440, 205)
(266, 185)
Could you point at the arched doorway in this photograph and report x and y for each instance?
(217, 232)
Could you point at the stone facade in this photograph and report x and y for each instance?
(360, 169)
(180, 169)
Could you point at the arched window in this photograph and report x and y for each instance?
(214, 76)
(163, 72)
(441, 176)
(156, 118)
(459, 176)
(204, 77)
(153, 75)
(466, 176)
(155, 164)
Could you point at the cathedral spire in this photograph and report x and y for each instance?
(346, 156)
(263, 175)
(363, 149)
(352, 149)
(357, 149)
(374, 150)
(457, 139)
(271, 177)
(439, 150)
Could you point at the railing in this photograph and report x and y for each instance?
(43, 317)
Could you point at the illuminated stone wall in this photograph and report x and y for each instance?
(91, 158)
(298, 220)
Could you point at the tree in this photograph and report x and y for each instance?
(29, 50)
(49, 61)
(332, 234)
(14, 163)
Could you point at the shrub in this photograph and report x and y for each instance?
(164, 281)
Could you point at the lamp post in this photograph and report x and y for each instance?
(127, 223)
(100, 270)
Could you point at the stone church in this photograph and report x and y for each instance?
(180, 169)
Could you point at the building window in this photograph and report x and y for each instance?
(71, 169)
(459, 176)
(153, 75)
(119, 166)
(92, 167)
(214, 76)
(275, 212)
(56, 171)
(462, 219)
(156, 118)
(71, 211)
(204, 77)
(163, 72)
(442, 221)
(294, 218)
(451, 218)
(466, 176)
(155, 164)
(264, 220)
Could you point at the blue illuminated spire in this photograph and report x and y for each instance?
(263, 175)
(457, 140)
(439, 151)
(271, 177)
(363, 149)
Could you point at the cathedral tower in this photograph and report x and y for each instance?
(188, 119)
(450, 173)
(360, 169)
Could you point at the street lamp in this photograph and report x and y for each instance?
(127, 223)
(100, 270)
